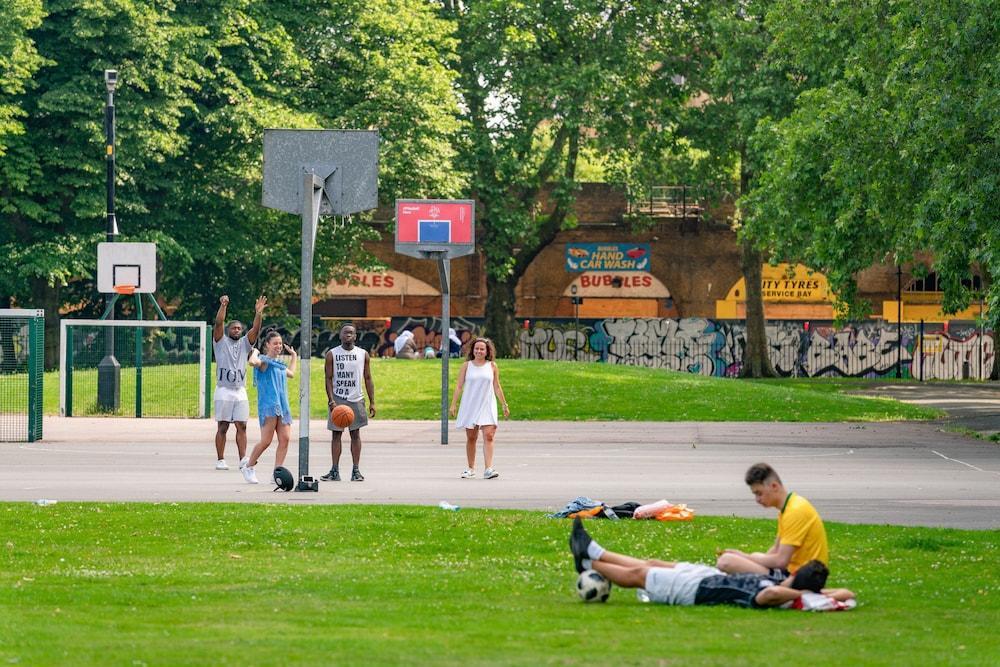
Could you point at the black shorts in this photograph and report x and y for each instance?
(778, 575)
(736, 589)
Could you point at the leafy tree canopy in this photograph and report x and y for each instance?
(894, 148)
(199, 81)
(540, 82)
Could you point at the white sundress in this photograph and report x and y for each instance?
(479, 401)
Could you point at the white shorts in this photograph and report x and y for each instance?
(232, 411)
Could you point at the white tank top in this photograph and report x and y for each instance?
(348, 373)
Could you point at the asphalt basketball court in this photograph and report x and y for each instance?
(894, 473)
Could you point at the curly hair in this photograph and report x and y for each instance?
(491, 351)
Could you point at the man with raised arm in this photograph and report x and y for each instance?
(232, 349)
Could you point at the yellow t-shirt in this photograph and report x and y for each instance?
(799, 525)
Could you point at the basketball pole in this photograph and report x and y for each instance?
(312, 193)
(444, 270)
(456, 218)
(302, 168)
(109, 370)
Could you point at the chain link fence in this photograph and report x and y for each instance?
(22, 358)
(134, 368)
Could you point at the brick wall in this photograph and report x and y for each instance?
(698, 262)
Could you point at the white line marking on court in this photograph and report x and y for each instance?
(991, 472)
(87, 452)
(811, 456)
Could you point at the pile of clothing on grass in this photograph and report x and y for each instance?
(661, 510)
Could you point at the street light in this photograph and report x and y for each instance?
(577, 300)
(109, 370)
(110, 82)
(899, 320)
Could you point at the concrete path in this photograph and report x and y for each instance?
(972, 406)
(898, 473)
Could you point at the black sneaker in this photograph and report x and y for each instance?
(332, 476)
(356, 476)
(579, 540)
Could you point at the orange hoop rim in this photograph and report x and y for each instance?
(125, 289)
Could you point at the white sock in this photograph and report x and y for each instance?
(587, 564)
(595, 550)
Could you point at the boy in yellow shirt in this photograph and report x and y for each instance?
(801, 535)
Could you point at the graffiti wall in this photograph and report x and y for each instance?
(711, 347)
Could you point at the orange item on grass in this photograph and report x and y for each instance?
(676, 513)
(584, 514)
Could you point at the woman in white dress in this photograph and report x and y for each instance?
(479, 386)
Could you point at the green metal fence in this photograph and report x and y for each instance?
(22, 365)
(133, 368)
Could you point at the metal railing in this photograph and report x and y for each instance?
(667, 201)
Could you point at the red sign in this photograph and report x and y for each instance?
(410, 215)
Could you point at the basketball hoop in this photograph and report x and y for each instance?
(125, 289)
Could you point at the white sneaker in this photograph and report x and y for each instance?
(490, 473)
(244, 462)
(250, 475)
(221, 465)
(469, 474)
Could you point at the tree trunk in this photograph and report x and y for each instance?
(47, 298)
(756, 360)
(500, 325)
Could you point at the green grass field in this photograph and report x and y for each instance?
(218, 584)
(540, 390)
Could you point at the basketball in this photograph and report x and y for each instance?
(343, 415)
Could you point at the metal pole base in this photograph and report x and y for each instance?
(307, 483)
(109, 384)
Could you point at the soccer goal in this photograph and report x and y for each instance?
(22, 359)
(133, 368)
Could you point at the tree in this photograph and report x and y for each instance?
(198, 83)
(734, 85)
(314, 64)
(894, 150)
(18, 61)
(539, 81)
(52, 177)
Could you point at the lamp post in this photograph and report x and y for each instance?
(110, 82)
(577, 300)
(899, 320)
(109, 370)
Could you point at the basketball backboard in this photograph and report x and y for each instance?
(428, 226)
(346, 161)
(123, 264)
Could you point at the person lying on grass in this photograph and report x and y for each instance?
(693, 583)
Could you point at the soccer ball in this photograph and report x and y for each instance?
(592, 587)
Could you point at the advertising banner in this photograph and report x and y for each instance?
(581, 257)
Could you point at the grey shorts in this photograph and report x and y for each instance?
(360, 415)
(232, 411)
(676, 585)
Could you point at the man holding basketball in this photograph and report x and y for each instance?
(232, 350)
(346, 366)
